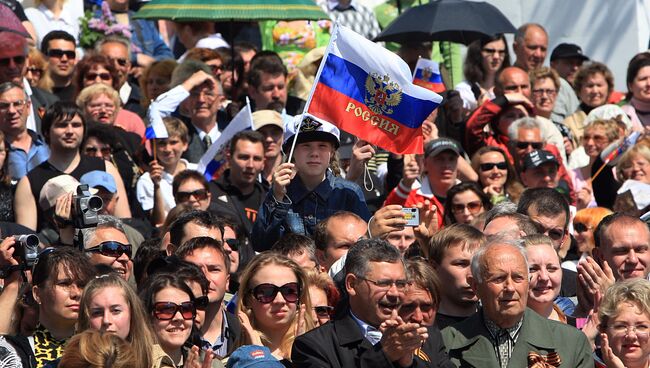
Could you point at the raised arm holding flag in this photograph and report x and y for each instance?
(367, 91)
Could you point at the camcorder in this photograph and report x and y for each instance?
(25, 251)
(85, 208)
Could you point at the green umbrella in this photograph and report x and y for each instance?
(224, 10)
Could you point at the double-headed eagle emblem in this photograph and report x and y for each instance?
(382, 94)
(427, 73)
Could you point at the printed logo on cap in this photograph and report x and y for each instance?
(257, 354)
(310, 125)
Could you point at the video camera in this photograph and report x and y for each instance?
(26, 251)
(85, 208)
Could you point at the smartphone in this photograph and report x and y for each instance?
(412, 216)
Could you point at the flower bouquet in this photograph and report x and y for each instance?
(97, 25)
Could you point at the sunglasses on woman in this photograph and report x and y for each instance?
(111, 249)
(580, 227)
(266, 293)
(472, 207)
(491, 165)
(199, 194)
(165, 311)
(324, 311)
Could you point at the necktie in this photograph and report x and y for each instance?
(373, 335)
(207, 140)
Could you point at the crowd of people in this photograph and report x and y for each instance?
(527, 245)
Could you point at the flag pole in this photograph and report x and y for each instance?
(313, 88)
(153, 148)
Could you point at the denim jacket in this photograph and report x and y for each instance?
(306, 209)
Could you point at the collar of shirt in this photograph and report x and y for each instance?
(333, 4)
(125, 92)
(222, 338)
(363, 326)
(214, 133)
(495, 330)
(300, 192)
(31, 121)
(64, 16)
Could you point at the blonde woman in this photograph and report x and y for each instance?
(274, 302)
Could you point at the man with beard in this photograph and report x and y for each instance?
(450, 253)
(63, 129)
(504, 332)
(369, 333)
(238, 193)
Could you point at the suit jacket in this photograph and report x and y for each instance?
(41, 100)
(469, 344)
(340, 344)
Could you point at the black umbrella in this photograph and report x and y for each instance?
(447, 20)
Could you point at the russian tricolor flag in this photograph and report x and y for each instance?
(214, 159)
(156, 129)
(367, 91)
(427, 75)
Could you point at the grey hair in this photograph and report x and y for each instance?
(525, 123)
(365, 251)
(499, 210)
(104, 222)
(477, 265)
(520, 34)
(185, 70)
(115, 39)
(4, 87)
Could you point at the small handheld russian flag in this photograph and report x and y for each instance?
(157, 128)
(214, 158)
(427, 75)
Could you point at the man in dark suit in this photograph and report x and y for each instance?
(504, 332)
(368, 331)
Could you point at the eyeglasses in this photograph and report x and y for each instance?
(524, 145)
(111, 249)
(34, 70)
(641, 331)
(494, 51)
(580, 227)
(266, 293)
(57, 53)
(233, 244)
(201, 303)
(93, 150)
(491, 165)
(199, 194)
(165, 311)
(324, 311)
(93, 76)
(18, 60)
(216, 69)
(400, 285)
(18, 105)
(119, 61)
(541, 92)
(473, 207)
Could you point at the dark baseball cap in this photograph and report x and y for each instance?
(538, 158)
(568, 51)
(10, 22)
(436, 146)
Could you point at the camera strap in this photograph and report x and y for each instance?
(78, 240)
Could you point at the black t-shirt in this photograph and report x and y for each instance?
(64, 93)
(46, 171)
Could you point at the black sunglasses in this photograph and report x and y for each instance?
(165, 311)
(201, 303)
(324, 311)
(111, 249)
(57, 53)
(556, 234)
(19, 60)
(199, 194)
(580, 227)
(524, 145)
(266, 293)
(233, 244)
(93, 76)
(93, 150)
(491, 165)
